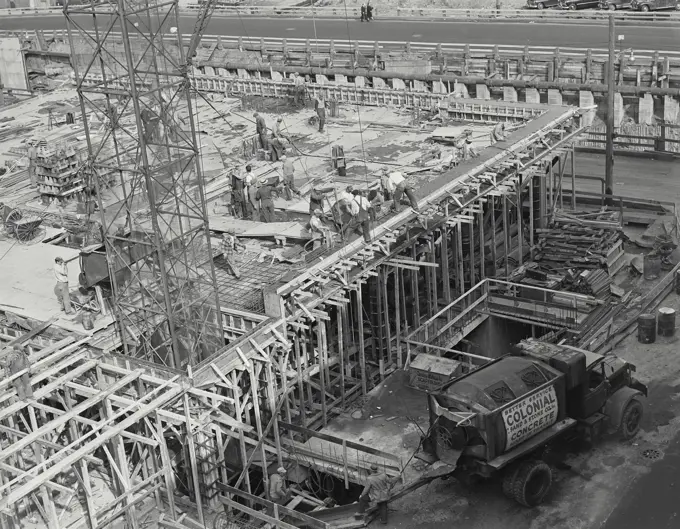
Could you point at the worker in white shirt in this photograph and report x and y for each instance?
(396, 185)
(61, 288)
(321, 111)
(358, 207)
(320, 232)
(498, 133)
(299, 90)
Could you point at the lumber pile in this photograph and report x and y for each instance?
(581, 240)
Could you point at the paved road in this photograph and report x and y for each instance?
(568, 35)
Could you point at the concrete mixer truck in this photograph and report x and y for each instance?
(499, 419)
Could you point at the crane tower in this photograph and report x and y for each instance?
(132, 76)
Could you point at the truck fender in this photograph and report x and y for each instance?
(617, 403)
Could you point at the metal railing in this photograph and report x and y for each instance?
(387, 12)
(369, 47)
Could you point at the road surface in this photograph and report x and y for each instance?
(566, 35)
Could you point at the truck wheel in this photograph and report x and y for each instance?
(532, 482)
(509, 478)
(631, 419)
(644, 8)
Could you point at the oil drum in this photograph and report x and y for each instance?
(651, 265)
(646, 328)
(88, 320)
(666, 321)
(677, 282)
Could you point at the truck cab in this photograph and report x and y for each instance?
(499, 418)
(653, 5)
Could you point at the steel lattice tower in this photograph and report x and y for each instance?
(132, 79)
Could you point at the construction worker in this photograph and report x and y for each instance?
(264, 195)
(299, 90)
(357, 207)
(16, 362)
(395, 184)
(32, 154)
(320, 107)
(288, 169)
(317, 197)
(377, 489)
(278, 491)
(498, 133)
(238, 184)
(468, 150)
(318, 230)
(61, 288)
(279, 130)
(261, 129)
(376, 198)
(252, 202)
(230, 246)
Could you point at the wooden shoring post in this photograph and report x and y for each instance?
(520, 222)
(563, 166)
(193, 461)
(385, 317)
(506, 236)
(326, 353)
(255, 397)
(308, 364)
(454, 254)
(434, 306)
(494, 255)
(16, 461)
(48, 504)
(239, 417)
(221, 448)
(532, 226)
(444, 256)
(120, 456)
(151, 467)
(322, 368)
(415, 290)
(271, 397)
(402, 296)
(283, 369)
(301, 383)
(362, 345)
(167, 465)
(461, 262)
(551, 190)
(573, 176)
(471, 236)
(91, 510)
(482, 253)
(397, 316)
(340, 313)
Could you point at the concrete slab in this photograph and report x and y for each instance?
(12, 65)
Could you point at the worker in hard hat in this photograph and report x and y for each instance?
(264, 195)
(278, 491)
(396, 185)
(377, 488)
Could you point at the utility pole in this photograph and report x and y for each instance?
(609, 164)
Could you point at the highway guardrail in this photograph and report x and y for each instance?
(386, 12)
(369, 47)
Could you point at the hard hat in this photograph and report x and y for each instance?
(279, 119)
(281, 470)
(317, 211)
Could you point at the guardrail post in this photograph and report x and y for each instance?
(655, 68)
(219, 42)
(285, 49)
(408, 47)
(438, 53)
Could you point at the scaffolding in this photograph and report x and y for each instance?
(139, 122)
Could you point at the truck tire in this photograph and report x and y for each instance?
(532, 482)
(509, 477)
(631, 419)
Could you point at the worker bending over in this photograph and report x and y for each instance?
(377, 489)
(357, 207)
(278, 491)
(320, 232)
(317, 197)
(498, 133)
(396, 185)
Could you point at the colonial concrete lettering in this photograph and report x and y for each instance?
(529, 416)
